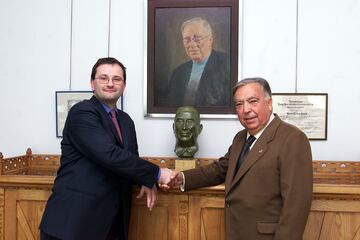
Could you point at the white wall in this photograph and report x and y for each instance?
(35, 62)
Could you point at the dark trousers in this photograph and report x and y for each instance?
(114, 230)
(112, 235)
(44, 236)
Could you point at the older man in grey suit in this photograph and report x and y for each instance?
(268, 190)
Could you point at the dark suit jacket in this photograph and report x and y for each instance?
(270, 195)
(93, 183)
(214, 87)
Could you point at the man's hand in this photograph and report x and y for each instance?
(166, 177)
(177, 180)
(151, 195)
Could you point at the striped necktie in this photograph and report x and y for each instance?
(116, 124)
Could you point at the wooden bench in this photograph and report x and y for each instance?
(330, 172)
(30, 164)
(26, 182)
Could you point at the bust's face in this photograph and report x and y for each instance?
(186, 126)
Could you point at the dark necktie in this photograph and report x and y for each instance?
(244, 150)
(116, 124)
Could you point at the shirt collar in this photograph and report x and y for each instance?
(202, 64)
(106, 107)
(262, 130)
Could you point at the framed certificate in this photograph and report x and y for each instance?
(307, 111)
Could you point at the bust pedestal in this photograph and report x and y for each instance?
(182, 164)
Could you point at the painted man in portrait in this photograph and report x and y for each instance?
(204, 80)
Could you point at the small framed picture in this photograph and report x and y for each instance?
(307, 111)
(64, 101)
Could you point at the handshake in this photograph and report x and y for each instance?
(170, 179)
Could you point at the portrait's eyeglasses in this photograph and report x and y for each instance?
(195, 38)
(106, 79)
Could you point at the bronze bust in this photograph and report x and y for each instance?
(186, 127)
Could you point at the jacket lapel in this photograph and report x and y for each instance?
(109, 126)
(253, 155)
(233, 158)
(256, 152)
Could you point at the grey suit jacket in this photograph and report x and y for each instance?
(270, 195)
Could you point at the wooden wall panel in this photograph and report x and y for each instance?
(194, 215)
(23, 212)
(212, 223)
(167, 220)
(333, 219)
(146, 225)
(313, 226)
(205, 214)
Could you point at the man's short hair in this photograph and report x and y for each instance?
(261, 81)
(193, 110)
(107, 60)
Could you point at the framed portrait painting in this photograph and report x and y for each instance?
(192, 56)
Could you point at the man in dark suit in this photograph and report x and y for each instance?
(204, 81)
(268, 192)
(91, 197)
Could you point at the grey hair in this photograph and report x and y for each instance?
(261, 81)
(204, 23)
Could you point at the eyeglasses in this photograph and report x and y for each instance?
(195, 38)
(106, 79)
